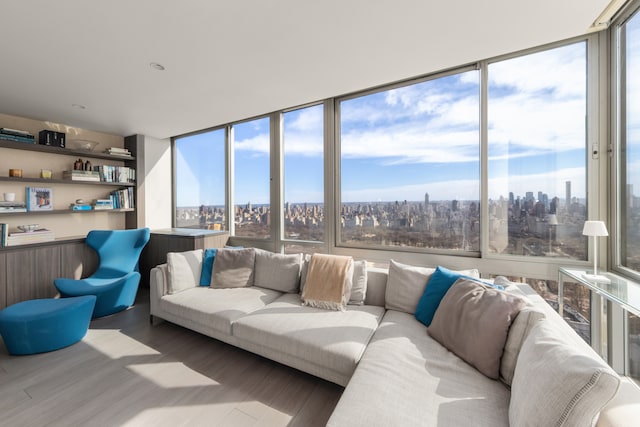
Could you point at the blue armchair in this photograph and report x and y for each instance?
(115, 282)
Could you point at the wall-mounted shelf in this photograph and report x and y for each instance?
(65, 181)
(63, 151)
(65, 212)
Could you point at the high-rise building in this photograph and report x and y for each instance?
(567, 196)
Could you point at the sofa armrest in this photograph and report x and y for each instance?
(157, 286)
(624, 407)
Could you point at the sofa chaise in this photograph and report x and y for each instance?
(394, 371)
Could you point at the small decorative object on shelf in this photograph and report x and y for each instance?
(15, 173)
(46, 173)
(82, 144)
(51, 138)
(28, 228)
(39, 199)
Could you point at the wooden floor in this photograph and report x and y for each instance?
(127, 372)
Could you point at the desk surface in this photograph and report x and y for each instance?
(191, 232)
(622, 291)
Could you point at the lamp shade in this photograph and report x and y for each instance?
(595, 228)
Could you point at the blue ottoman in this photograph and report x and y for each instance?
(41, 325)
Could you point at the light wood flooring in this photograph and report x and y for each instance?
(126, 372)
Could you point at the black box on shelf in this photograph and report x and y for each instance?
(51, 138)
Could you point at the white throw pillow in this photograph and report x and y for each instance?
(280, 272)
(184, 270)
(558, 381)
(405, 286)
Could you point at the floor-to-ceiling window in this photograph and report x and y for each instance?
(251, 178)
(303, 178)
(410, 165)
(628, 129)
(200, 180)
(537, 109)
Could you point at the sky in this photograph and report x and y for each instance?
(423, 138)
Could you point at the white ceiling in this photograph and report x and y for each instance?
(230, 60)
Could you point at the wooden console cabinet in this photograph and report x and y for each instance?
(27, 272)
(176, 240)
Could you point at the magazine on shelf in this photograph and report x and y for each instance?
(39, 199)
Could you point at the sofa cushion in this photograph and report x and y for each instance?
(184, 270)
(558, 381)
(280, 272)
(405, 285)
(233, 268)
(331, 339)
(473, 320)
(406, 378)
(329, 281)
(217, 308)
(437, 286)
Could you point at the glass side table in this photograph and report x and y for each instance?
(621, 291)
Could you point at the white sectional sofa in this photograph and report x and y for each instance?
(394, 372)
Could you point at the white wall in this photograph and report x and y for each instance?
(157, 183)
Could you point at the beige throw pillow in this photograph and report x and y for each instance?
(558, 381)
(233, 268)
(184, 270)
(473, 320)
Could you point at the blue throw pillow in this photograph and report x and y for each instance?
(207, 266)
(437, 286)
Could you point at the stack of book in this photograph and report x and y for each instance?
(102, 204)
(16, 135)
(24, 238)
(10, 207)
(116, 151)
(78, 175)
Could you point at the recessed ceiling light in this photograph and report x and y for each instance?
(78, 106)
(156, 66)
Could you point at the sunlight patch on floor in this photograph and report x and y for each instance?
(171, 375)
(115, 344)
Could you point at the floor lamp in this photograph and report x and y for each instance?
(595, 229)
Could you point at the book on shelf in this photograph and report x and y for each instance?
(118, 150)
(17, 138)
(4, 233)
(39, 199)
(77, 175)
(17, 132)
(123, 199)
(10, 209)
(121, 174)
(25, 238)
(6, 204)
(80, 207)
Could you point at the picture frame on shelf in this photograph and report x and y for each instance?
(39, 199)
